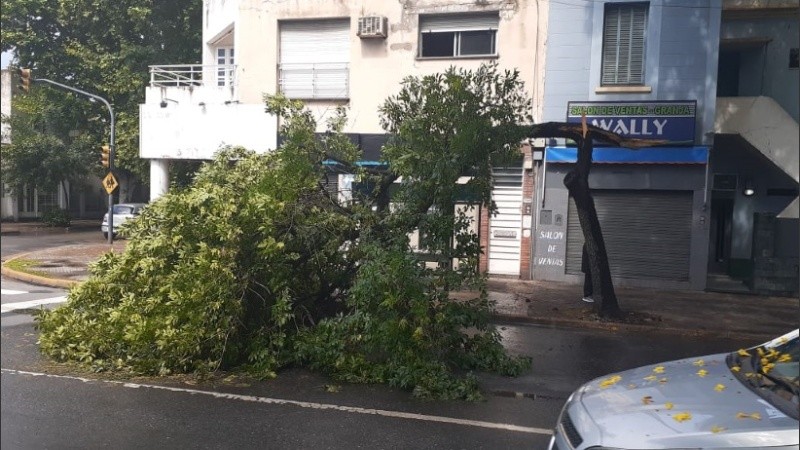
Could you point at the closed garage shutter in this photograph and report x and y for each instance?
(314, 58)
(506, 223)
(647, 233)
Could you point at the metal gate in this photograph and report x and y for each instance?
(505, 226)
(647, 233)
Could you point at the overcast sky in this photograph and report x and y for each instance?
(5, 58)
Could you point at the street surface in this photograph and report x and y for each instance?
(47, 406)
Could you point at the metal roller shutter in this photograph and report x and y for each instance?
(647, 233)
(505, 226)
(314, 58)
(458, 22)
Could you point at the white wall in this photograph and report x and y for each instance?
(197, 132)
(5, 103)
(377, 66)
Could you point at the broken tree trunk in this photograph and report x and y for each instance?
(577, 182)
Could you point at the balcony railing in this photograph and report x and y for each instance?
(314, 80)
(193, 75)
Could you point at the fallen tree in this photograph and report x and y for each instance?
(255, 266)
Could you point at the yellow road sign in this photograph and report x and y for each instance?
(110, 183)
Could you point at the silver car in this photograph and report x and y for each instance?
(122, 212)
(747, 399)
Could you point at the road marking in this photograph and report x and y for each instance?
(11, 292)
(310, 405)
(8, 307)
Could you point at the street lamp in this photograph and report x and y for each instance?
(111, 145)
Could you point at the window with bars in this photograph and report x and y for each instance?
(624, 32)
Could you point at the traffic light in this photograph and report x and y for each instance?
(105, 156)
(24, 80)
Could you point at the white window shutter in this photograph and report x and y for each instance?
(459, 22)
(314, 58)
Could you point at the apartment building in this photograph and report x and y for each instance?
(755, 160)
(715, 208)
(717, 80)
(353, 53)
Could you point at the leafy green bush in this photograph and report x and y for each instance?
(56, 217)
(254, 266)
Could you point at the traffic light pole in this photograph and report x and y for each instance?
(111, 144)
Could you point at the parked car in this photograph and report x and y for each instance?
(747, 399)
(122, 212)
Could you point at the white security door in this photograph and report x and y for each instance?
(225, 65)
(505, 226)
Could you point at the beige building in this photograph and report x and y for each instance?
(328, 53)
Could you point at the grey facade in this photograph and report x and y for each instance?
(754, 212)
(657, 228)
(734, 216)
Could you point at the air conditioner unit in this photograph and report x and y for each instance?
(372, 27)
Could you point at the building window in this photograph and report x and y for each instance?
(225, 66)
(458, 35)
(794, 58)
(314, 59)
(624, 31)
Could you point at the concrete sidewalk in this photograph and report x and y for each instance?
(556, 304)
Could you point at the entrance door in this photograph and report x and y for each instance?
(720, 239)
(225, 65)
(506, 225)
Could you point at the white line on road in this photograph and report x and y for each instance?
(278, 401)
(11, 292)
(8, 307)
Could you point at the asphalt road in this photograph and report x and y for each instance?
(296, 410)
(47, 406)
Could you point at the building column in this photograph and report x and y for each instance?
(528, 183)
(159, 178)
(483, 235)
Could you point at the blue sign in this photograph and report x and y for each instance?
(669, 120)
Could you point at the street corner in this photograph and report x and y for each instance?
(27, 268)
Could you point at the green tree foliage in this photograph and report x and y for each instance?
(46, 150)
(255, 266)
(103, 47)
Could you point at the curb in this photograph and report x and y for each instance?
(619, 326)
(9, 233)
(35, 279)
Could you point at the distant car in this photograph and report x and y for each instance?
(747, 399)
(122, 212)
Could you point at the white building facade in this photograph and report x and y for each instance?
(353, 53)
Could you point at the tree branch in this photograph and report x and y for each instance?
(574, 131)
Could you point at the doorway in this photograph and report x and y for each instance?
(721, 226)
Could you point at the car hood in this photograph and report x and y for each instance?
(695, 402)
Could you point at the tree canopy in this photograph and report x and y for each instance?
(256, 266)
(100, 46)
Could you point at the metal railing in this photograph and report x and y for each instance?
(314, 80)
(193, 75)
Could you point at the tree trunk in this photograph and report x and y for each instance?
(577, 182)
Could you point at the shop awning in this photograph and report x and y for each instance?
(619, 155)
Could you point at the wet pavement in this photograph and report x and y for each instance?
(540, 302)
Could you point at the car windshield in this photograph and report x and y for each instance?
(121, 209)
(772, 370)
